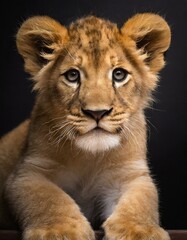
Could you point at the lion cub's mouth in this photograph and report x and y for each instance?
(98, 140)
(99, 129)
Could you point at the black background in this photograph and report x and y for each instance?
(167, 138)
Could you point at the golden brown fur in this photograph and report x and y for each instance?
(82, 156)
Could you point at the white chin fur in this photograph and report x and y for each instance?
(97, 141)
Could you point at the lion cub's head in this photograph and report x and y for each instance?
(92, 78)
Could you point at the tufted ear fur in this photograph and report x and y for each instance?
(38, 39)
(150, 33)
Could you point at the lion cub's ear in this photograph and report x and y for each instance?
(38, 39)
(151, 33)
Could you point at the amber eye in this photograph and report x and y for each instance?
(72, 75)
(119, 75)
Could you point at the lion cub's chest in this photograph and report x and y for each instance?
(93, 191)
(84, 189)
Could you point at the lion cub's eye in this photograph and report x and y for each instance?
(72, 75)
(119, 75)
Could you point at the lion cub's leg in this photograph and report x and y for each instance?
(43, 210)
(135, 215)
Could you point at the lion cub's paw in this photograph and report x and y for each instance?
(124, 230)
(74, 230)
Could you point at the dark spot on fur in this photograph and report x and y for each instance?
(119, 130)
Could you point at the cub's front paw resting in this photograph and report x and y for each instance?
(124, 230)
(73, 230)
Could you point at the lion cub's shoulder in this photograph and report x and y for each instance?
(12, 146)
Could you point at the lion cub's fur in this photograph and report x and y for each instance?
(80, 160)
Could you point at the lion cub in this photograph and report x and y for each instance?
(81, 158)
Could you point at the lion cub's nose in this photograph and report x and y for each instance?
(97, 114)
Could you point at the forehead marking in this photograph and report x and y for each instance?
(96, 36)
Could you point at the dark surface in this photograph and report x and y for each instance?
(167, 138)
(13, 235)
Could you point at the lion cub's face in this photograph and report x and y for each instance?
(96, 84)
(92, 77)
